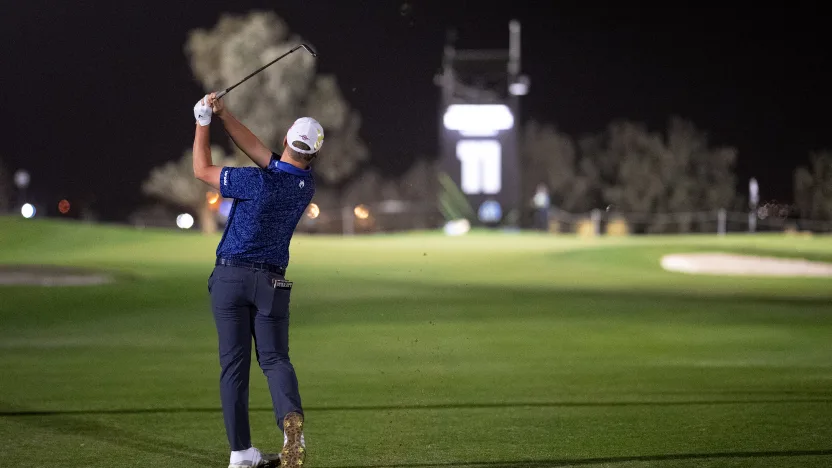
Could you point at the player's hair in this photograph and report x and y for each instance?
(301, 157)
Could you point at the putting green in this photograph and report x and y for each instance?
(422, 350)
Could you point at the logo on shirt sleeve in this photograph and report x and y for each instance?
(225, 178)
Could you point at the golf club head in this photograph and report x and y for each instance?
(308, 49)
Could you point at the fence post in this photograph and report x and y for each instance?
(347, 221)
(596, 221)
(720, 221)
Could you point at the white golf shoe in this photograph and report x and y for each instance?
(253, 458)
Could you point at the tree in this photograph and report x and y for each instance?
(419, 185)
(632, 169)
(175, 183)
(5, 189)
(681, 173)
(364, 189)
(641, 168)
(344, 150)
(813, 187)
(703, 176)
(550, 157)
(271, 101)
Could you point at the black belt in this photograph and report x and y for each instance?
(256, 266)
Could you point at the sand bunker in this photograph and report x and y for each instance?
(41, 275)
(743, 265)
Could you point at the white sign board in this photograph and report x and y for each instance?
(481, 166)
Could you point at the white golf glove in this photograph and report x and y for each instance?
(203, 112)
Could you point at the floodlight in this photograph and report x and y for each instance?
(478, 119)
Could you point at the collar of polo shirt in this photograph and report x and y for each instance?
(286, 167)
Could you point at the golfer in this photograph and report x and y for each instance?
(248, 287)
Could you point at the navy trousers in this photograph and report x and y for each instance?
(252, 304)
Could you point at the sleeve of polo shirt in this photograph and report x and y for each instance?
(242, 183)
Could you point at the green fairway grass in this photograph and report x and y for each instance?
(419, 350)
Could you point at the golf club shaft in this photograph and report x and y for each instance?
(225, 91)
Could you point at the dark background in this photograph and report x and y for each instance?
(96, 94)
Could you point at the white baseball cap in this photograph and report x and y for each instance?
(306, 130)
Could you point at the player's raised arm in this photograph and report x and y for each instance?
(240, 134)
(204, 169)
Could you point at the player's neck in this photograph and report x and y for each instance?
(290, 160)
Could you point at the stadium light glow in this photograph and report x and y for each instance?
(185, 221)
(63, 206)
(21, 179)
(478, 119)
(361, 212)
(519, 87)
(28, 211)
(225, 208)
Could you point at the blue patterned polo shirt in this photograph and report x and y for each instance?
(268, 204)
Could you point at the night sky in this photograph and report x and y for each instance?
(95, 94)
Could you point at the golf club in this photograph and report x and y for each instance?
(303, 46)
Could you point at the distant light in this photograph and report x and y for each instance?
(490, 211)
(21, 178)
(28, 211)
(361, 212)
(63, 206)
(213, 198)
(185, 221)
(478, 119)
(225, 208)
(313, 211)
(519, 87)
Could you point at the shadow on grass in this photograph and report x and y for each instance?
(79, 424)
(449, 406)
(607, 460)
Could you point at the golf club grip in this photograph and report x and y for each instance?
(222, 93)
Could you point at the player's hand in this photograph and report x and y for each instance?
(217, 105)
(203, 111)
